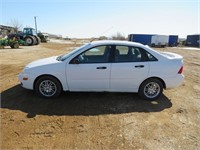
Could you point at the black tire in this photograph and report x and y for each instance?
(151, 89)
(15, 45)
(48, 87)
(1, 47)
(29, 40)
(163, 46)
(34, 40)
(38, 40)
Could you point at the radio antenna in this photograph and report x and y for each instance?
(102, 33)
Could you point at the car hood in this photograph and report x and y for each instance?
(42, 62)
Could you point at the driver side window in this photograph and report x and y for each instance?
(98, 54)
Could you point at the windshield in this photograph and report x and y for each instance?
(29, 31)
(34, 32)
(65, 56)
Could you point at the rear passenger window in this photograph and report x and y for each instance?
(127, 54)
(132, 54)
(150, 57)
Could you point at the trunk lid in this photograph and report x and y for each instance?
(171, 55)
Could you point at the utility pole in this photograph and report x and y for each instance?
(35, 23)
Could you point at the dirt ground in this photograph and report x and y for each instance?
(97, 120)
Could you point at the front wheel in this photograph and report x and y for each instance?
(15, 45)
(48, 87)
(151, 89)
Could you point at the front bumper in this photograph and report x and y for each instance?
(26, 80)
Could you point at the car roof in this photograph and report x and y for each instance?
(106, 42)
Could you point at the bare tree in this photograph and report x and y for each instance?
(118, 36)
(16, 25)
(103, 38)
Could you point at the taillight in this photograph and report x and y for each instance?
(180, 70)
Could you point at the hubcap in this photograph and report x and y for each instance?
(16, 45)
(28, 41)
(47, 88)
(152, 90)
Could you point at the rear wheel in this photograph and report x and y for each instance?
(38, 41)
(48, 87)
(29, 40)
(34, 40)
(151, 89)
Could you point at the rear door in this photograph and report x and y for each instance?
(92, 72)
(128, 69)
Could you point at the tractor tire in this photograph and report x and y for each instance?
(38, 40)
(35, 40)
(15, 45)
(1, 47)
(29, 40)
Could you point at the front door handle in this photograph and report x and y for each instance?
(139, 66)
(101, 67)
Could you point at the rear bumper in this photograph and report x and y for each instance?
(175, 81)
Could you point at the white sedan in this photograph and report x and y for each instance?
(105, 66)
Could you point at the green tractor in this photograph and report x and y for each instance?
(29, 35)
(12, 41)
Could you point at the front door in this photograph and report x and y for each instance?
(90, 70)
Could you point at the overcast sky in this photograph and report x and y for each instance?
(87, 18)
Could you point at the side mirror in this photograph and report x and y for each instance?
(76, 61)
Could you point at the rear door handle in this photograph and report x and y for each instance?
(101, 67)
(139, 66)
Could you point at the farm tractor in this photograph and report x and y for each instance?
(12, 40)
(29, 35)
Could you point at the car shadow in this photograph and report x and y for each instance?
(78, 103)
